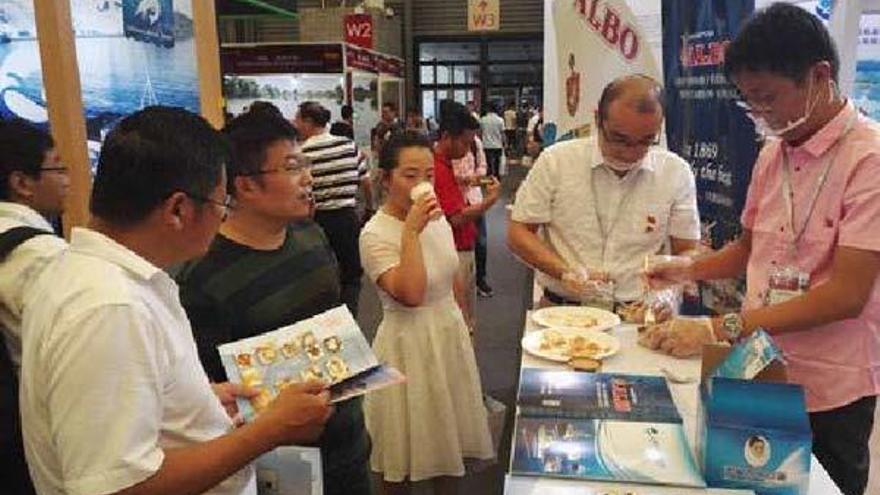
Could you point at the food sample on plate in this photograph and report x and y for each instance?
(585, 364)
(571, 319)
(577, 346)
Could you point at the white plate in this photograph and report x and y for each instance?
(531, 343)
(568, 316)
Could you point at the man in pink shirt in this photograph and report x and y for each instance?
(811, 235)
(469, 171)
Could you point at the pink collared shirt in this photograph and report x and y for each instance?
(468, 167)
(837, 363)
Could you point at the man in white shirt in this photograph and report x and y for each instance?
(492, 129)
(113, 397)
(510, 128)
(595, 208)
(33, 186)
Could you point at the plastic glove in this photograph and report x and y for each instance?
(668, 271)
(586, 283)
(681, 337)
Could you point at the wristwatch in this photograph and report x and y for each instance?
(732, 323)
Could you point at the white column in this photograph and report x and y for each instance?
(844, 27)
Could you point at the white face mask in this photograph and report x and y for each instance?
(621, 166)
(765, 129)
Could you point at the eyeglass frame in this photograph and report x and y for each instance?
(228, 204)
(625, 142)
(62, 170)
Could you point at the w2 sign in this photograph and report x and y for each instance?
(359, 30)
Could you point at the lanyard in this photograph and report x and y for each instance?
(606, 233)
(788, 191)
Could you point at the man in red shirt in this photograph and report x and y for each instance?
(457, 130)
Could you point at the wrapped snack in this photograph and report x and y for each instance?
(679, 337)
(749, 357)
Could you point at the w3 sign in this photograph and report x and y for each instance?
(359, 30)
(484, 15)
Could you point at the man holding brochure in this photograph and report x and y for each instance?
(269, 267)
(113, 397)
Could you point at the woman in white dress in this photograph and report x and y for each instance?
(425, 428)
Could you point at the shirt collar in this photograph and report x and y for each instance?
(828, 135)
(98, 245)
(597, 160)
(24, 214)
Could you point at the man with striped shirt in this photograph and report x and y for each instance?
(269, 267)
(338, 171)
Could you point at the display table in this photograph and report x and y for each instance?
(635, 359)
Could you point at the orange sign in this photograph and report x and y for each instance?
(484, 15)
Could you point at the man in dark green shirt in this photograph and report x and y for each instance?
(269, 267)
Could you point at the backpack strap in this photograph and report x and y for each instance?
(15, 237)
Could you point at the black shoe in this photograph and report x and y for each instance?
(484, 290)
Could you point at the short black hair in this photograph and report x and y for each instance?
(314, 111)
(388, 159)
(455, 118)
(782, 39)
(261, 106)
(347, 112)
(23, 149)
(152, 154)
(616, 88)
(250, 135)
(390, 106)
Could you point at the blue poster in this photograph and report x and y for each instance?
(149, 20)
(703, 123)
(21, 75)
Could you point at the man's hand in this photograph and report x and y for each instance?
(584, 283)
(227, 393)
(669, 273)
(493, 191)
(681, 337)
(298, 413)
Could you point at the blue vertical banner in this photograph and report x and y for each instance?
(704, 124)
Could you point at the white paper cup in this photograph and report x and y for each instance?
(420, 190)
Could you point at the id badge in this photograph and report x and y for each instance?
(786, 282)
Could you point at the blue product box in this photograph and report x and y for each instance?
(753, 434)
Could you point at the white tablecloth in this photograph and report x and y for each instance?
(635, 359)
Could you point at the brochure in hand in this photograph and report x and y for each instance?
(604, 427)
(328, 346)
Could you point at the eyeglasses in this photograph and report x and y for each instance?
(228, 203)
(625, 142)
(292, 169)
(763, 108)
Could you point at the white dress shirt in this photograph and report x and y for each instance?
(110, 375)
(569, 189)
(20, 269)
(492, 127)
